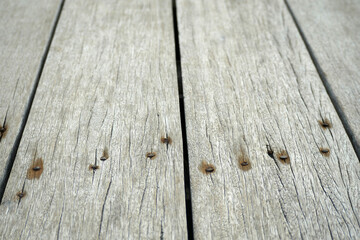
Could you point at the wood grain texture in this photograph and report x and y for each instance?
(331, 27)
(25, 28)
(109, 83)
(249, 82)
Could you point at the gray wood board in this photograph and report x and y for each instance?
(25, 28)
(109, 83)
(250, 82)
(331, 28)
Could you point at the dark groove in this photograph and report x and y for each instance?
(15, 147)
(189, 217)
(327, 86)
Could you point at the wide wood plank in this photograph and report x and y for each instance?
(261, 164)
(91, 163)
(25, 28)
(331, 28)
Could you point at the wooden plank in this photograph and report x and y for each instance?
(331, 28)
(249, 82)
(109, 84)
(25, 28)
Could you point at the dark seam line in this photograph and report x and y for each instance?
(15, 147)
(327, 86)
(189, 217)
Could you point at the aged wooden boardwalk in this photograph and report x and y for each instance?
(184, 119)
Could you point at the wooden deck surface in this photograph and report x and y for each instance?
(186, 119)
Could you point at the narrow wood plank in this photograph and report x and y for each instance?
(331, 28)
(248, 83)
(109, 83)
(25, 28)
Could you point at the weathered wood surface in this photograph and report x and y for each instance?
(25, 28)
(332, 28)
(249, 82)
(109, 82)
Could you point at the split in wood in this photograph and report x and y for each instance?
(167, 140)
(325, 151)
(325, 123)
(283, 156)
(151, 155)
(93, 167)
(207, 168)
(20, 194)
(105, 155)
(36, 169)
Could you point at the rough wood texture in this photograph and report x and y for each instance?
(332, 28)
(25, 28)
(249, 82)
(109, 83)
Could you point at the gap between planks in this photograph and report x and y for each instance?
(189, 217)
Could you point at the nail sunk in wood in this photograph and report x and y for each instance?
(270, 152)
(325, 151)
(3, 130)
(210, 169)
(325, 123)
(36, 169)
(151, 155)
(206, 168)
(244, 161)
(166, 140)
(20, 194)
(93, 167)
(283, 156)
(105, 155)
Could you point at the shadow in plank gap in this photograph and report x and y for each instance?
(189, 218)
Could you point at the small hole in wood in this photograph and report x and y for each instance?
(207, 168)
(325, 123)
(2, 129)
(283, 156)
(270, 152)
(36, 169)
(151, 155)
